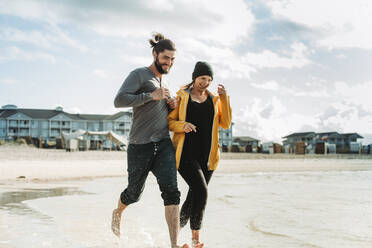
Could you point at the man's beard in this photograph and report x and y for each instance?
(159, 67)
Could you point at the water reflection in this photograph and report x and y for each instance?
(13, 201)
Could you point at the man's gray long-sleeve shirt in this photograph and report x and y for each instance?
(150, 117)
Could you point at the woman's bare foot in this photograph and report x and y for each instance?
(197, 244)
(115, 222)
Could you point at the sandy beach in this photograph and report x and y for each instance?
(65, 199)
(28, 163)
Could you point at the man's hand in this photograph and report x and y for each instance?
(160, 94)
(188, 127)
(172, 102)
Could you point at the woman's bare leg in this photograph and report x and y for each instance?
(196, 239)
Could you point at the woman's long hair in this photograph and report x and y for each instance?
(188, 86)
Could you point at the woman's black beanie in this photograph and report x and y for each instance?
(201, 69)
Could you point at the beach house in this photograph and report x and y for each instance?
(246, 143)
(47, 125)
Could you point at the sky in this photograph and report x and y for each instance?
(288, 66)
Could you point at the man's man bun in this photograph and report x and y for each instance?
(159, 43)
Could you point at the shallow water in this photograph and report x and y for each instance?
(311, 209)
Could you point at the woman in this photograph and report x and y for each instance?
(195, 124)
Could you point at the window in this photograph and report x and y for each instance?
(75, 125)
(44, 124)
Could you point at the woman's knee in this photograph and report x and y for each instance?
(200, 193)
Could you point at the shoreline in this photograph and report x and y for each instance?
(47, 165)
(26, 152)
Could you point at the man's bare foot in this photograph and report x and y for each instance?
(184, 246)
(115, 222)
(178, 246)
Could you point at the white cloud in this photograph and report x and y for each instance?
(314, 88)
(163, 5)
(341, 56)
(16, 53)
(359, 94)
(8, 81)
(226, 62)
(207, 20)
(136, 60)
(263, 120)
(297, 58)
(345, 117)
(343, 24)
(367, 138)
(300, 92)
(27, 9)
(270, 85)
(101, 73)
(45, 38)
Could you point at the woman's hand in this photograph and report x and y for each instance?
(221, 89)
(188, 127)
(172, 102)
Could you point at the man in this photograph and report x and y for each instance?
(150, 147)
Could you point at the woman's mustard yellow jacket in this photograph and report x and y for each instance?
(177, 120)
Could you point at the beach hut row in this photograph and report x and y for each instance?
(324, 143)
